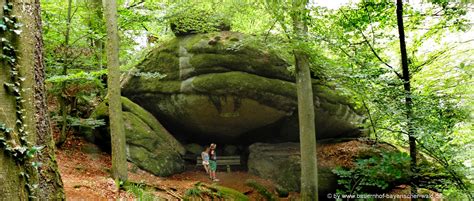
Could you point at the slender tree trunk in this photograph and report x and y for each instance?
(372, 123)
(62, 99)
(95, 24)
(117, 132)
(25, 112)
(406, 86)
(309, 168)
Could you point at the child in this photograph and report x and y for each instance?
(213, 162)
(205, 159)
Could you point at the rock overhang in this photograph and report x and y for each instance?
(208, 72)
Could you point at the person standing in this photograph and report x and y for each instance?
(205, 159)
(213, 162)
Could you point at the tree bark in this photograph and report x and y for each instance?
(407, 88)
(117, 132)
(30, 64)
(306, 116)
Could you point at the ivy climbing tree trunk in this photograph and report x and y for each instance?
(24, 122)
(117, 132)
(309, 168)
(407, 88)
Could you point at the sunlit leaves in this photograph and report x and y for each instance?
(376, 171)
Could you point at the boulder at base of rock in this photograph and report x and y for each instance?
(281, 162)
(149, 145)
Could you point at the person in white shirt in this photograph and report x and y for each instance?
(205, 159)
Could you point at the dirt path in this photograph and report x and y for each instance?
(86, 177)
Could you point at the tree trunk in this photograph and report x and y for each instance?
(406, 86)
(25, 111)
(95, 24)
(117, 132)
(62, 100)
(309, 168)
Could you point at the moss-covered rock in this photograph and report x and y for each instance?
(224, 86)
(203, 191)
(149, 145)
(281, 162)
(194, 20)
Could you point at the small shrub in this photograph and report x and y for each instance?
(376, 172)
(193, 193)
(139, 191)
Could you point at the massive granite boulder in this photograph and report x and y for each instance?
(227, 86)
(281, 162)
(149, 145)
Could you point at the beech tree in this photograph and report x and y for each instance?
(309, 167)
(117, 131)
(299, 14)
(28, 169)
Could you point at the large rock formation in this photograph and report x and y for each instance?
(149, 145)
(281, 162)
(226, 87)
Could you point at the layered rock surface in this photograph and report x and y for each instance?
(225, 87)
(149, 145)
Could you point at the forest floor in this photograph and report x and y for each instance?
(86, 176)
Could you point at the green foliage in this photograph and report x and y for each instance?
(140, 191)
(194, 192)
(197, 192)
(80, 76)
(374, 173)
(363, 43)
(86, 36)
(202, 191)
(83, 91)
(20, 153)
(8, 25)
(83, 86)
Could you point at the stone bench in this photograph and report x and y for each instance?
(223, 160)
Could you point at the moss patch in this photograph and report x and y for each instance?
(149, 144)
(203, 191)
(153, 123)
